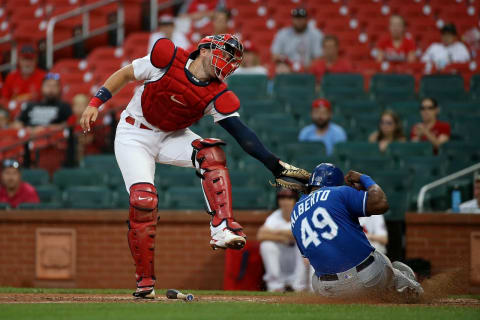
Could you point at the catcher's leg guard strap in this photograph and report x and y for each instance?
(141, 234)
(211, 166)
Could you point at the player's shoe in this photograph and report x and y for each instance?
(144, 293)
(223, 238)
(414, 291)
(406, 270)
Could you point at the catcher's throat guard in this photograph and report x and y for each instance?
(227, 53)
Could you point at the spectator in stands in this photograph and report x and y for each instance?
(50, 111)
(221, 20)
(4, 119)
(323, 129)
(430, 129)
(166, 29)
(330, 62)
(251, 61)
(23, 84)
(12, 189)
(473, 206)
(450, 50)
(284, 266)
(79, 104)
(397, 46)
(300, 43)
(389, 130)
(376, 231)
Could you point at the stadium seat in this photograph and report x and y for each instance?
(370, 164)
(293, 81)
(475, 87)
(352, 108)
(185, 198)
(398, 206)
(166, 179)
(403, 150)
(64, 178)
(250, 86)
(48, 194)
(461, 107)
(465, 127)
(99, 161)
(40, 206)
(362, 125)
(404, 108)
(345, 80)
(273, 119)
(380, 82)
(279, 135)
(351, 149)
(252, 107)
(398, 179)
(88, 197)
(428, 167)
(4, 206)
(248, 198)
(36, 177)
(443, 87)
(298, 149)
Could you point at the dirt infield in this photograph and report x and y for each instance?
(294, 299)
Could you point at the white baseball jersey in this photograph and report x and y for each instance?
(375, 224)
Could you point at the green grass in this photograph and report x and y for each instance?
(218, 310)
(230, 311)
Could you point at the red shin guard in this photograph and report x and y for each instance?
(216, 183)
(141, 233)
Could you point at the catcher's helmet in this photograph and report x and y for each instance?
(227, 53)
(326, 175)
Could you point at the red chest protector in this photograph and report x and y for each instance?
(177, 100)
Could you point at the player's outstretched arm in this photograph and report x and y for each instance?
(113, 84)
(376, 199)
(250, 143)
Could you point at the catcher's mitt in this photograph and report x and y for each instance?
(292, 178)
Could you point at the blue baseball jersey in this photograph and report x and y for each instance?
(326, 229)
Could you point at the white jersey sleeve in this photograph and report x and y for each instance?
(144, 70)
(217, 116)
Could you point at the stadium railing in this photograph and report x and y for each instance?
(86, 33)
(442, 181)
(13, 53)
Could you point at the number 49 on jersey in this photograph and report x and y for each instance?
(320, 219)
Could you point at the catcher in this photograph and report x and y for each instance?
(178, 90)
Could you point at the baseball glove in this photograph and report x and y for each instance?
(292, 178)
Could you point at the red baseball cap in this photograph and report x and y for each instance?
(27, 51)
(317, 103)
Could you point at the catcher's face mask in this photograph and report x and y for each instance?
(227, 53)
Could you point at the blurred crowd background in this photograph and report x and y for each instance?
(390, 88)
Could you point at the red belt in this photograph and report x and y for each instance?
(131, 121)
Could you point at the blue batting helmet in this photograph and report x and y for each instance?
(326, 175)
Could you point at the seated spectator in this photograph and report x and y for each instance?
(450, 50)
(50, 111)
(250, 62)
(166, 29)
(300, 43)
(322, 129)
(430, 129)
(23, 84)
(397, 46)
(79, 104)
(4, 119)
(376, 231)
(284, 265)
(12, 189)
(389, 130)
(330, 62)
(473, 206)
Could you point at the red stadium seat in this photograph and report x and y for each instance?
(101, 54)
(66, 66)
(72, 89)
(135, 45)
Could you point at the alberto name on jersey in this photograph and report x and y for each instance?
(326, 229)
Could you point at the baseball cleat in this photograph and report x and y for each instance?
(144, 293)
(225, 238)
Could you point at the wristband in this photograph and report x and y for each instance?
(102, 96)
(366, 181)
